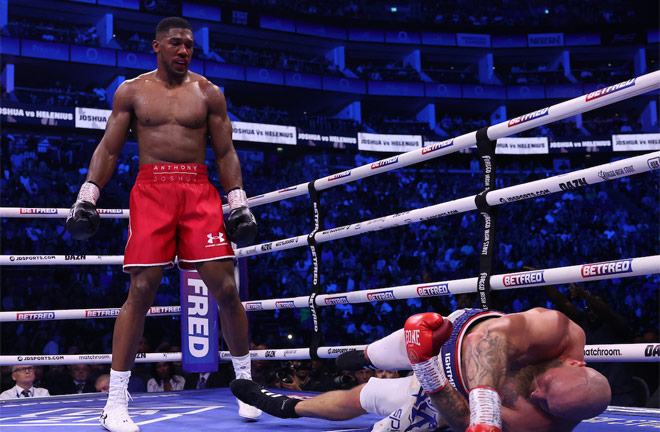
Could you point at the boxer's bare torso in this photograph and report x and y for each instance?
(535, 345)
(169, 122)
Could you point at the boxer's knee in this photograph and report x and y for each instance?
(383, 396)
(143, 288)
(389, 353)
(225, 293)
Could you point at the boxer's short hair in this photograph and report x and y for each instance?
(172, 22)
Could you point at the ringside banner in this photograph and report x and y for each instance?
(13, 112)
(323, 138)
(388, 143)
(91, 118)
(266, 133)
(636, 142)
(199, 325)
(526, 145)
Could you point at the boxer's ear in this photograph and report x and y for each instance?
(575, 363)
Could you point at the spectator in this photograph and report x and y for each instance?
(300, 378)
(163, 380)
(24, 378)
(204, 380)
(385, 374)
(76, 379)
(102, 383)
(362, 376)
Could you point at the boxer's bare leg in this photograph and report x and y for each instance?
(219, 278)
(334, 405)
(129, 325)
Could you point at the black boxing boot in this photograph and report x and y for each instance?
(254, 394)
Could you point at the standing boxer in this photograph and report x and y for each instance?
(513, 373)
(175, 211)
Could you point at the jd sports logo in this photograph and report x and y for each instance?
(219, 239)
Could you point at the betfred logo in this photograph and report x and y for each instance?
(528, 117)
(35, 316)
(523, 279)
(381, 296)
(611, 89)
(607, 268)
(336, 300)
(101, 313)
(156, 310)
(437, 146)
(432, 290)
(254, 306)
(38, 211)
(110, 211)
(340, 175)
(285, 304)
(292, 188)
(385, 162)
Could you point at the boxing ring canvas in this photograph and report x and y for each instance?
(216, 410)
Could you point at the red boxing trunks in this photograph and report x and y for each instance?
(175, 211)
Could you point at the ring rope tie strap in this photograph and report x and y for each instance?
(316, 252)
(486, 149)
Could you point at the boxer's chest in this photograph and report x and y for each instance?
(184, 106)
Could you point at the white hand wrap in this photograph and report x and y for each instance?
(237, 198)
(89, 192)
(485, 407)
(430, 375)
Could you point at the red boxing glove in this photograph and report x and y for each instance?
(424, 335)
(483, 428)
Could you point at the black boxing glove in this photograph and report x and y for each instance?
(84, 220)
(240, 225)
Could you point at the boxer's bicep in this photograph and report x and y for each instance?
(220, 132)
(117, 128)
(488, 355)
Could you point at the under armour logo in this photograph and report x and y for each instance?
(220, 238)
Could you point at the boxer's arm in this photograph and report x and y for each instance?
(220, 131)
(104, 159)
(453, 407)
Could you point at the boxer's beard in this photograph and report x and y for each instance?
(525, 378)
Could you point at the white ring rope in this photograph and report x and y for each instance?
(608, 95)
(553, 276)
(597, 174)
(595, 271)
(592, 353)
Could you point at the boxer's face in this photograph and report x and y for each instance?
(175, 49)
(572, 391)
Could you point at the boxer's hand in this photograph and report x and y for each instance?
(424, 335)
(84, 220)
(241, 226)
